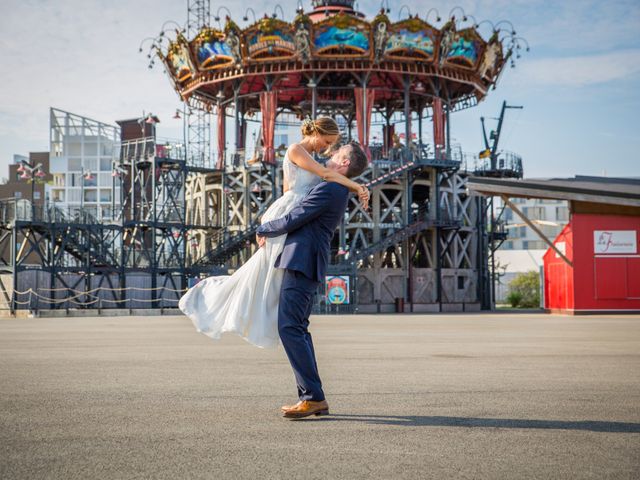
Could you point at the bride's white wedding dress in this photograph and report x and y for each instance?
(246, 303)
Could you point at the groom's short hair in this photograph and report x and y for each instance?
(358, 160)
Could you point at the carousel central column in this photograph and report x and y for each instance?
(387, 141)
(221, 163)
(407, 114)
(238, 121)
(420, 108)
(268, 107)
(448, 131)
(221, 136)
(313, 85)
(365, 111)
(439, 132)
(406, 183)
(364, 100)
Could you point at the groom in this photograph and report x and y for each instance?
(304, 258)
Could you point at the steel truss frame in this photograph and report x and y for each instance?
(417, 242)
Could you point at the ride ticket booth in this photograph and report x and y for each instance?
(593, 265)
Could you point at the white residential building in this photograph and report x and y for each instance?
(81, 157)
(550, 216)
(523, 250)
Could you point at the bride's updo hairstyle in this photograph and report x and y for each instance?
(325, 126)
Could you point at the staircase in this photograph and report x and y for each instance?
(392, 174)
(419, 222)
(79, 235)
(228, 247)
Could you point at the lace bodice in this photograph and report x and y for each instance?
(300, 181)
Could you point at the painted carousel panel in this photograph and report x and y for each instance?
(411, 38)
(342, 35)
(211, 51)
(270, 39)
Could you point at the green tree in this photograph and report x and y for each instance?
(524, 290)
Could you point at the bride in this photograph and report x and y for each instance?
(246, 303)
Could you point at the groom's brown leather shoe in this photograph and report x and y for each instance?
(289, 407)
(307, 408)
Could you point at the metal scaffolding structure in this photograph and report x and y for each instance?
(185, 212)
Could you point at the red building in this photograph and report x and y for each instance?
(593, 265)
(606, 265)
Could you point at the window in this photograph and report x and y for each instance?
(534, 245)
(91, 165)
(75, 164)
(74, 195)
(562, 214)
(551, 231)
(91, 148)
(92, 181)
(106, 148)
(58, 195)
(91, 195)
(74, 148)
(105, 164)
(106, 213)
(105, 195)
(534, 213)
(58, 179)
(106, 180)
(460, 282)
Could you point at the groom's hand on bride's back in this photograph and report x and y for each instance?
(260, 240)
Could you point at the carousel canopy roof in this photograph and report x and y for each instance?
(334, 49)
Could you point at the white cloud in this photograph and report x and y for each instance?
(582, 70)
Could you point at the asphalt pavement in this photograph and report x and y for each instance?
(475, 396)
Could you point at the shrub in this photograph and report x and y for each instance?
(524, 290)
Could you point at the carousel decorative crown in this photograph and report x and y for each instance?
(334, 36)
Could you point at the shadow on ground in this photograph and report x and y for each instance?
(470, 422)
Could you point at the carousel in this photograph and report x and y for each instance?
(422, 245)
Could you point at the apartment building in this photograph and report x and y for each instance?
(81, 163)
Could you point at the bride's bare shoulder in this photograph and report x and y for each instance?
(295, 152)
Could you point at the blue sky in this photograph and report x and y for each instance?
(579, 85)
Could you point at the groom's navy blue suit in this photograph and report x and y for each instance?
(310, 227)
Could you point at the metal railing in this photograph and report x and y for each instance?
(12, 210)
(507, 162)
(424, 154)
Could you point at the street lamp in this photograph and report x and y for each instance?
(149, 119)
(31, 173)
(86, 175)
